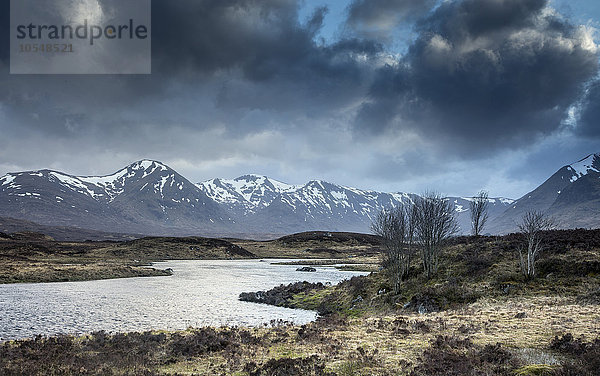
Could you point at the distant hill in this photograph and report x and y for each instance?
(571, 195)
(61, 233)
(145, 197)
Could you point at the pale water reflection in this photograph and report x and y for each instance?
(200, 292)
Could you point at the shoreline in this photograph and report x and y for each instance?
(53, 273)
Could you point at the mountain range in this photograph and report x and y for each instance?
(148, 197)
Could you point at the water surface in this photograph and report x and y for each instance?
(199, 293)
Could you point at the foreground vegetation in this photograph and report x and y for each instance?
(478, 315)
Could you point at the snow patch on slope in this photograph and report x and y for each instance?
(7, 179)
(218, 191)
(73, 183)
(583, 167)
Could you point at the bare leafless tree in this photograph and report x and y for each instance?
(396, 228)
(435, 222)
(479, 214)
(532, 226)
(411, 228)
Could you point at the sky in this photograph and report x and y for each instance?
(390, 95)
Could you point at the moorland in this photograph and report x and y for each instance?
(478, 315)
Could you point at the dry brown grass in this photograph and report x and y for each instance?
(315, 245)
(52, 271)
(393, 343)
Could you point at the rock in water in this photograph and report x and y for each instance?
(306, 269)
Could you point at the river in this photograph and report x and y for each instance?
(199, 293)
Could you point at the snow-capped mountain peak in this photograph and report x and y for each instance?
(144, 196)
(145, 165)
(247, 193)
(584, 166)
(114, 184)
(26, 183)
(256, 188)
(253, 180)
(139, 176)
(149, 197)
(220, 190)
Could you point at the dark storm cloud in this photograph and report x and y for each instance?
(4, 34)
(589, 122)
(261, 38)
(237, 55)
(376, 18)
(213, 35)
(480, 71)
(322, 78)
(473, 18)
(486, 73)
(237, 85)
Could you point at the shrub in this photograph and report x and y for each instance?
(584, 357)
(452, 356)
(312, 365)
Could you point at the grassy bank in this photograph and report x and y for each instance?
(316, 245)
(48, 271)
(471, 269)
